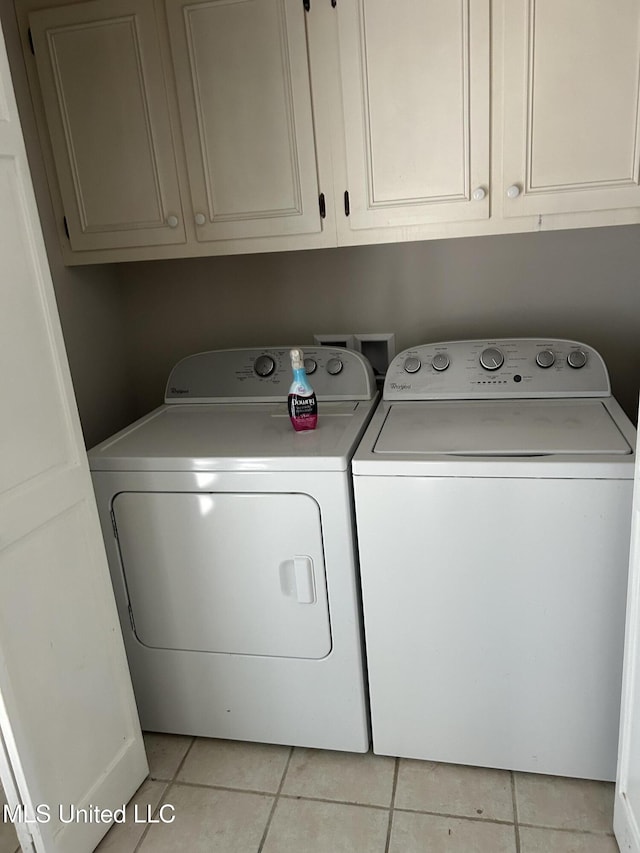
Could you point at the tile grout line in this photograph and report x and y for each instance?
(184, 758)
(454, 816)
(169, 783)
(261, 792)
(275, 801)
(569, 830)
(396, 770)
(516, 821)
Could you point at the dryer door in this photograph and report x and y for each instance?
(238, 573)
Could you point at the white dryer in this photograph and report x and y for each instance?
(493, 503)
(231, 546)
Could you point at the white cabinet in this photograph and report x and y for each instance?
(242, 75)
(179, 128)
(197, 127)
(570, 88)
(415, 96)
(102, 85)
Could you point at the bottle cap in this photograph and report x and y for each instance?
(297, 359)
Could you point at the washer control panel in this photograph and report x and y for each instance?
(264, 375)
(510, 367)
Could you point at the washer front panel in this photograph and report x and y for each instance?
(495, 369)
(494, 617)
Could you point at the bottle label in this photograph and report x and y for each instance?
(303, 411)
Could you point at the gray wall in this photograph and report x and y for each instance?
(581, 284)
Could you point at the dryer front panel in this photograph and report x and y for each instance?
(238, 573)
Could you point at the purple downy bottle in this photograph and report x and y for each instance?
(302, 403)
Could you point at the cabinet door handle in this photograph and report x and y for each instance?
(513, 191)
(479, 194)
(172, 221)
(200, 218)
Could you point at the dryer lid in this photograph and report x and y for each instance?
(235, 437)
(501, 428)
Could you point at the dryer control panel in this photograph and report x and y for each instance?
(501, 368)
(264, 374)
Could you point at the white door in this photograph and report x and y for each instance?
(626, 818)
(415, 95)
(67, 713)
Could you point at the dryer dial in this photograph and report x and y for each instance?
(577, 358)
(440, 361)
(264, 365)
(492, 358)
(545, 358)
(412, 364)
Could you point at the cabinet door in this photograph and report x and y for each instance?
(105, 102)
(243, 86)
(570, 108)
(415, 86)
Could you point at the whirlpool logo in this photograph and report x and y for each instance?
(400, 386)
(175, 390)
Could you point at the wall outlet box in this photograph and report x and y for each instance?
(337, 340)
(379, 348)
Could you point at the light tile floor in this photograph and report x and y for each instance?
(232, 797)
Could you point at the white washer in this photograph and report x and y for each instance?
(493, 503)
(232, 553)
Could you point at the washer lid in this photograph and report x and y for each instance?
(501, 428)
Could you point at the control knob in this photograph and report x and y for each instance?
(577, 358)
(491, 358)
(334, 366)
(545, 358)
(440, 361)
(264, 365)
(310, 366)
(412, 364)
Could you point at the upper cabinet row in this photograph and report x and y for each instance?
(197, 127)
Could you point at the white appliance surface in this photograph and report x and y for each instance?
(221, 572)
(502, 428)
(232, 553)
(493, 531)
(234, 437)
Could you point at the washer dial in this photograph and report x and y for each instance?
(440, 361)
(577, 358)
(334, 366)
(264, 365)
(310, 366)
(491, 358)
(545, 358)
